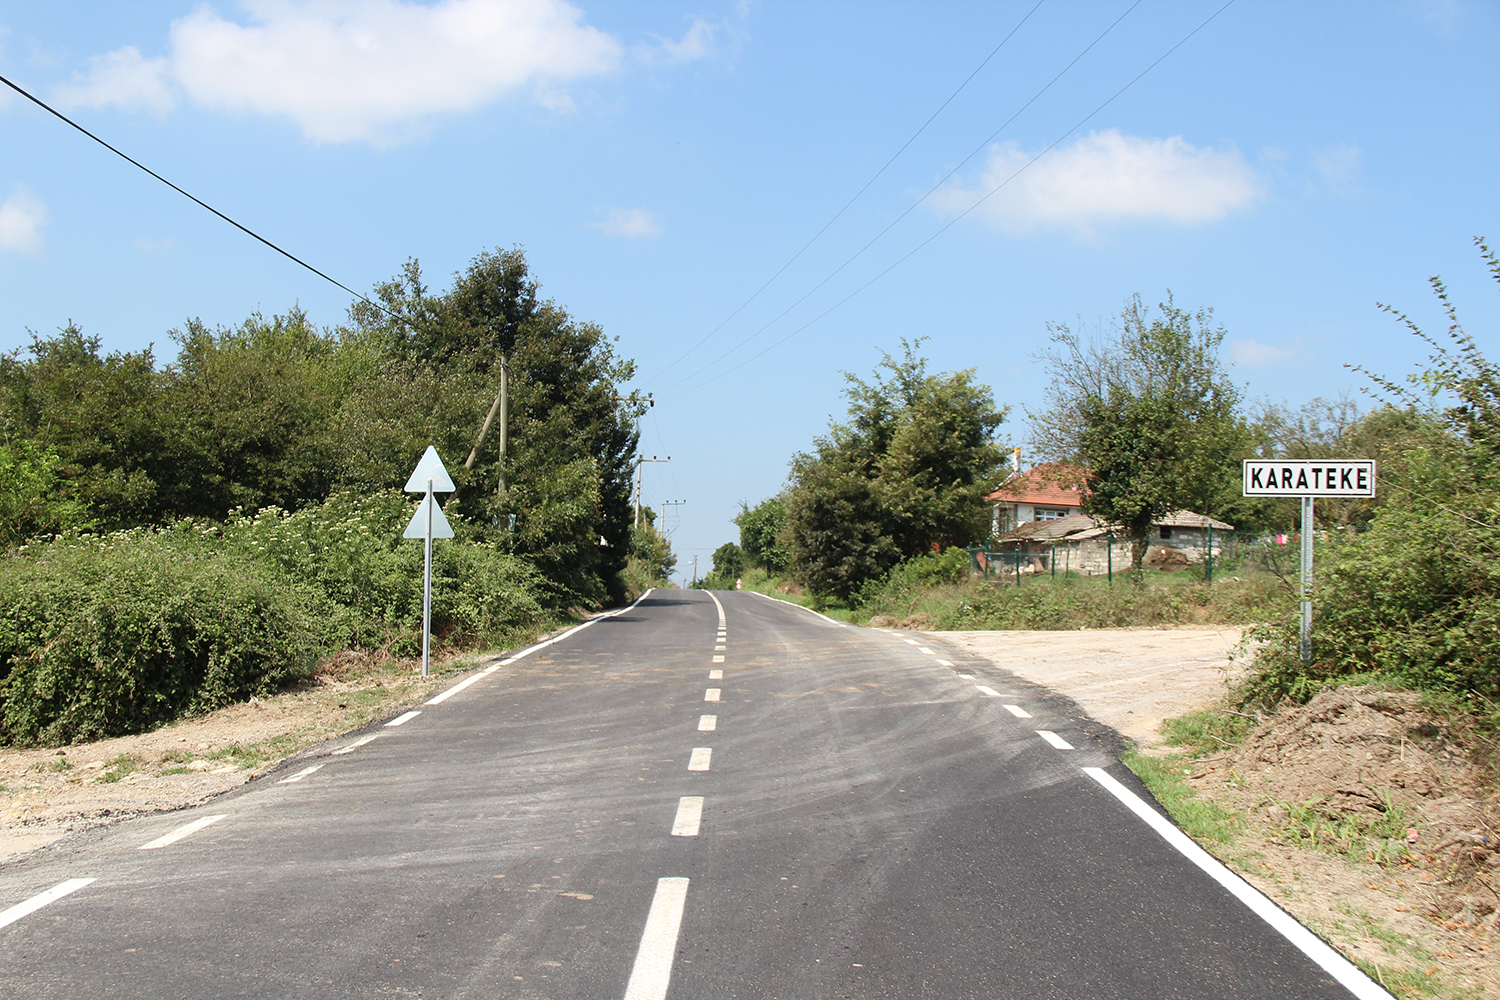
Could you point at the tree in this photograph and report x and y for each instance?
(760, 534)
(729, 561)
(905, 476)
(1149, 414)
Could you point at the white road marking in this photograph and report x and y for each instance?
(403, 719)
(300, 774)
(799, 607)
(708, 723)
(186, 829)
(966, 677)
(455, 689)
(1331, 962)
(689, 816)
(359, 742)
(716, 675)
(653, 960)
(719, 658)
(717, 605)
(712, 694)
(912, 641)
(944, 663)
(1057, 741)
(41, 899)
(700, 759)
(987, 691)
(924, 649)
(718, 649)
(1018, 711)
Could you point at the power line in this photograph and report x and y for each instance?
(837, 215)
(903, 258)
(913, 206)
(198, 201)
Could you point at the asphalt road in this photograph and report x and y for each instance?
(675, 801)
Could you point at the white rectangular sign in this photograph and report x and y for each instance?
(1330, 477)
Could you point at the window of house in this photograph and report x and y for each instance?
(1166, 531)
(1049, 515)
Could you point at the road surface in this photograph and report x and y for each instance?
(702, 796)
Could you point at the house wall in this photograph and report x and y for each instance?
(1092, 556)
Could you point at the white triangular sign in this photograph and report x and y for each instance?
(430, 467)
(418, 526)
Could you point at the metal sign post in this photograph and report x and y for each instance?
(1307, 480)
(428, 523)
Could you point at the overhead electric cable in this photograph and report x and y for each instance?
(910, 208)
(953, 222)
(200, 202)
(876, 176)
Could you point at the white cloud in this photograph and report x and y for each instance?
(697, 42)
(1253, 354)
(123, 79)
(1338, 166)
(360, 70)
(1108, 177)
(21, 218)
(630, 223)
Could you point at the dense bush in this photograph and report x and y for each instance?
(123, 632)
(118, 634)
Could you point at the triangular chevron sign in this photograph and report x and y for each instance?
(430, 467)
(418, 526)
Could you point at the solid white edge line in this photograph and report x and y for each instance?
(402, 720)
(512, 658)
(300, 774)
(356, 744)
(988, 692)
(182, 831)
(1322, 954)
(801, 608)
(715, 599)
(702, 759)
(653, 960)
(1057, 741)
(708, 723)
(689, 816)
(1018, 711)
(41, 899)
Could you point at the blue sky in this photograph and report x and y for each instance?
(1289, 165)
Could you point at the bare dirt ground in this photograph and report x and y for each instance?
(1361, 813)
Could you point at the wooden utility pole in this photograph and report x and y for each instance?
(501, 405)
(638, 463)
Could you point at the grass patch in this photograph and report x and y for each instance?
(117, 767)
(1199, 818)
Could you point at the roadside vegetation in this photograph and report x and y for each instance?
(181, 536)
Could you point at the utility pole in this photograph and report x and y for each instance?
(667, 532)
(695, 569)
(638, 463)
(501, 405)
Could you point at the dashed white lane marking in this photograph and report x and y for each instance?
(1309, 944)
(401, 720)
(700, 759)
(716, 675)
(719, 649)
(912, 641)
(186, 829)
(461, 685)
(689, 816)
(358, 743)
(719, 658)
(988, 692)
(708, 723)
(41, 899)
(966, 677)
(924, 649)
(1057, 741)
(653, 960)
(712, 694)
(1018, 711)
(300, 774)
(944, 663)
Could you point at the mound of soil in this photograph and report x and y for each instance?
(1378, 759)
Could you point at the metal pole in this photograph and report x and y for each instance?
(1208, 573)
(1109, 556)
(1307, 562)
(427, 587)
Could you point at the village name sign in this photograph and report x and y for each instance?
(1328, 477)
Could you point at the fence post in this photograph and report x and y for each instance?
(1208, 576)
(1109, 555)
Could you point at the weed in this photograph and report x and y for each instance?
(60, 764)
(1200, 819)
(117, 767)
(1377, 837)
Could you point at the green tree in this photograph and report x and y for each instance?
(30, 500)
(1151, 416)
(729, 561)
(761, 527)
(906, 475)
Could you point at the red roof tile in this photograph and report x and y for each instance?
(1054, 483)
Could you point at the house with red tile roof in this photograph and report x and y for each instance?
(1044, 493)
